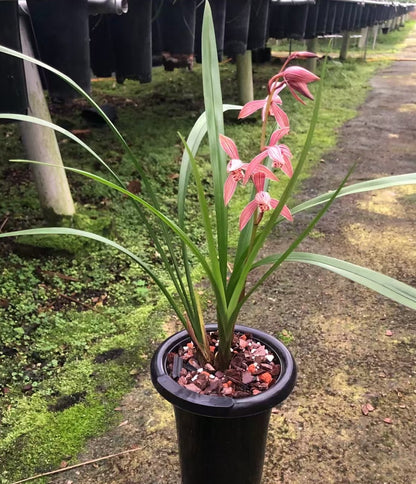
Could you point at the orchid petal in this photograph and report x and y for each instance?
(229, 189)
(267, 173)
(235, 164)
(253, 164)
(298, 74)
(275, 154)
(302, 55)
(247, 213)
(278, 134)
(285, 210)
(229, 146)
(263, 198)
(258, 179)
(251, 107)
(287, 168)
(280, 116)
(293, 92)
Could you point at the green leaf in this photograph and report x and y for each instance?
(215, 126)
(385, 285)
(378, 184)
(65, 132)
(193, 141)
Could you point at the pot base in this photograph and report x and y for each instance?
(221, 450)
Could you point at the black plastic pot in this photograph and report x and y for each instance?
(222, 439)
(13, 97)
(259, 24)
(62, 35)
(322, 17)
(237, 21)
(296, 25)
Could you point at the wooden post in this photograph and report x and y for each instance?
(363, 39)
(344, 46)
(375, 32)
(245, 77)
(41, 145)
(311, 46)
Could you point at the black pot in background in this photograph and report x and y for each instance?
(296, 24)
(218, 8)
(312, 21)
(13, 98)
(132, 42)
(322, 17)
(258, 25)
(62, 35)
(237, 23)
(278, 19)
(338, 18)
(222, 439)
(334, 13)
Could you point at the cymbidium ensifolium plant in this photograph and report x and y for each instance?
(225, 268)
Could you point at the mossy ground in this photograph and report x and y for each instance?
(64, 305)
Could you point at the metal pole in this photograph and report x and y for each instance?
(344, 47)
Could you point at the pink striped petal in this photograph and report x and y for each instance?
(287, 168)
(302, 55)
(253, 165)
(247, 213)
(229, 146)
(267, 173)
(258, 180)
(250, 108)
(229, 189)
(280, 116)
(285, 210)
(278, 135)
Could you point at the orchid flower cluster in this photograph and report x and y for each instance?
(296, 78)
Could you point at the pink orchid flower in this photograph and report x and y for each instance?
(275, 110)
(236, 167)
(279, 154)
(263, 202)
(297, 79)
(301, 54)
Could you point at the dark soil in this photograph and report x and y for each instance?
(351, 417)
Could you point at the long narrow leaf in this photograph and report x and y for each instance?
(385, 285)
(163, 218)
(215, 126)
(366, 186)
(216, 273)
(47, 124)
(292, 246)
(194, 140)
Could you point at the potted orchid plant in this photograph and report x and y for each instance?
(223, 379)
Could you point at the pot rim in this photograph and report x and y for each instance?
(216, 406)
